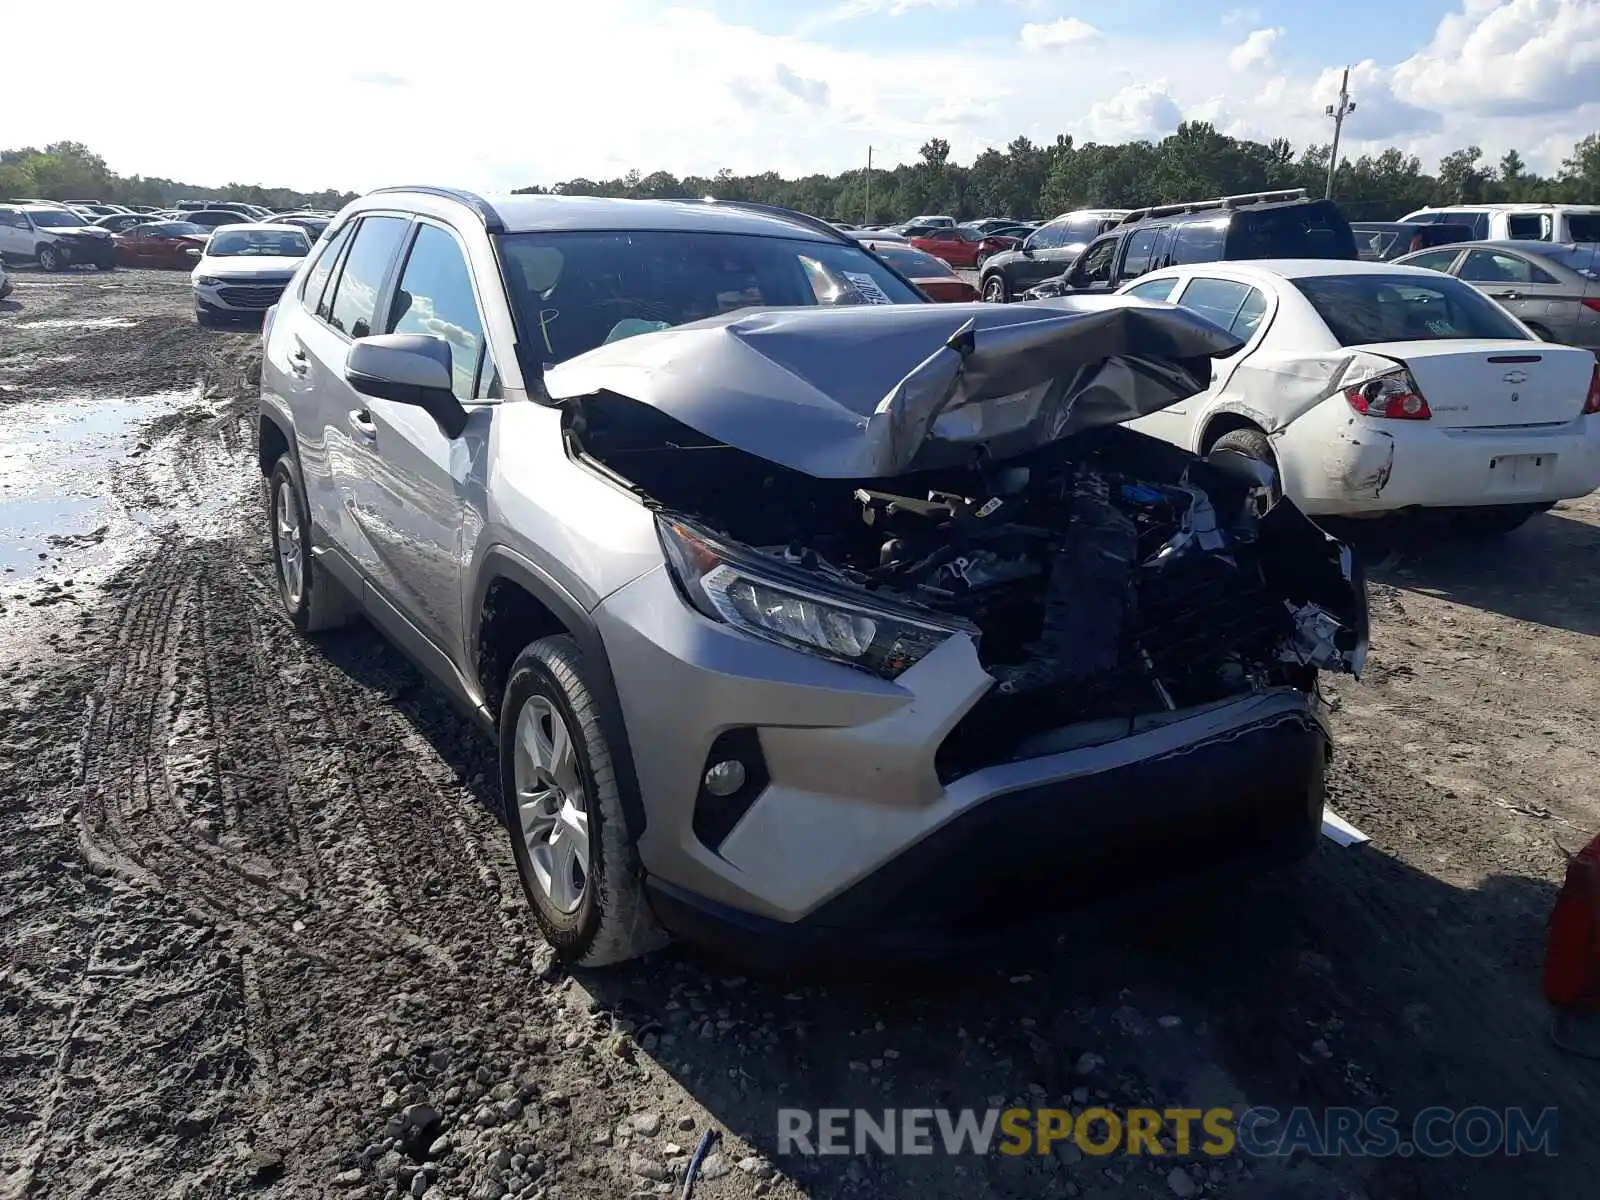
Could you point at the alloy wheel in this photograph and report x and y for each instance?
(291, 556)
(551, 805)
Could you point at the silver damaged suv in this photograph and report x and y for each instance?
(809, 616)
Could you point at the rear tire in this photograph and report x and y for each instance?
(563, 810)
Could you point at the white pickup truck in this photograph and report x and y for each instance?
(1561, 223)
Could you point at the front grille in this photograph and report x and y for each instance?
(263, 295)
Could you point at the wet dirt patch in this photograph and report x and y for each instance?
(56, 463)
(92, 323)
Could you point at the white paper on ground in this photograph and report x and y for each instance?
(1339, 830)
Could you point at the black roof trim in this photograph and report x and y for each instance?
(806, 220)
(486, 213)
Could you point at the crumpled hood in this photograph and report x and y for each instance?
(877, 390)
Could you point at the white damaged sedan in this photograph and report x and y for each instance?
(1372, 388)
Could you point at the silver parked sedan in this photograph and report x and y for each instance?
(1553, 289)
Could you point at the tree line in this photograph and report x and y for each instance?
(1024, 180)
(71, 171)
(1196, 162)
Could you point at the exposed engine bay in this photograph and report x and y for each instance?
(1104, 578)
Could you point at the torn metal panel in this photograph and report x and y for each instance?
(1276, 389)
(875, 391)
(1359, 461)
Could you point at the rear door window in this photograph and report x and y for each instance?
(355, 295)
(316, 284)
(1495, 266)
(1217, 300)
(1198, 241)
(1140, 250)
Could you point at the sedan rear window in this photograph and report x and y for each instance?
(575, 290)
(1360, 310)
(1585, 260)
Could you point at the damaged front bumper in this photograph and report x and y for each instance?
(849, 838)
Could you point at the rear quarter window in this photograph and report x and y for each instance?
(1583, 227)
(1361, 310)
(1198, 242)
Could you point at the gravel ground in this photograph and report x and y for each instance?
(260, 932)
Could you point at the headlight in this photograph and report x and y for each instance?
(208, 281)
(766, 601)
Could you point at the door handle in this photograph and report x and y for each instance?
(361, 422)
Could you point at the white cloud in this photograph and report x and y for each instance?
(361, 103)
(1057, 35)
(1241, 16)
(1140, 110)
(1521, 56)
(1255, 51)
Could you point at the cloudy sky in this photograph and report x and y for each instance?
(491, 94)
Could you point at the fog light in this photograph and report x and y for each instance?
(725, 778)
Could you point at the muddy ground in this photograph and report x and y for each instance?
(260, 932)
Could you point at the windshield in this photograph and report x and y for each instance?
(55, 218)
(266, 242)
(577, 290)
(1361, 310)
(913, 264)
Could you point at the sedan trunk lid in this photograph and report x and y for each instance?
(1494, 383)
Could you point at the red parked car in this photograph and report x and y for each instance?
(933, 277)
(160, 244)
(963, 247)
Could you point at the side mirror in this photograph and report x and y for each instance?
(408, 368)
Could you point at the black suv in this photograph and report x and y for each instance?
(1257, 225)
(1049, 250)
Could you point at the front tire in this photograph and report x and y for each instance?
(563, 809)
(50, 258)
(995, 290)
(311, 599)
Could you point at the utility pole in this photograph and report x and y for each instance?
(866, 211)
(1338, 112)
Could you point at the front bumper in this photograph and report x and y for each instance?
(855, 841)
(1335, 464)
(238, 299)
(87, 251)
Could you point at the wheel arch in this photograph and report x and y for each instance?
(1219, 423)
(274, 439)
(515, 603)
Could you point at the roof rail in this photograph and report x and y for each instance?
(1284, 195)
(815, 224)
(486, 213)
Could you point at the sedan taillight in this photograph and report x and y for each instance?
(1591, 403)
(1393, 395)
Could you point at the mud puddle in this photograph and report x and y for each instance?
(56, 469)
